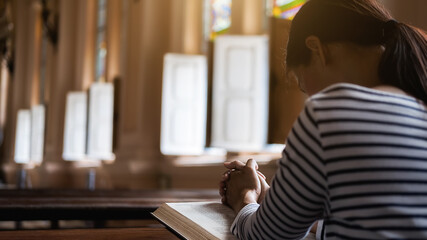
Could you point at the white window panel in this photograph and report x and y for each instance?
(37, 133)
(75, 127)
(240, 93)
(100, 131)
(184, 99)
(22, 137)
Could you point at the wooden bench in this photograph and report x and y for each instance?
(19, 205)
(93, 234)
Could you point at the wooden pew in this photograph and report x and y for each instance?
(19, 205)
(93, 234)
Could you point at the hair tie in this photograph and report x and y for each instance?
(389, 28)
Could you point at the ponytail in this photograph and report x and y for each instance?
(366, 23)
(404, 61)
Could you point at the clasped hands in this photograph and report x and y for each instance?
(242, 184)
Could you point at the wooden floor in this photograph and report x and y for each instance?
(160, 233)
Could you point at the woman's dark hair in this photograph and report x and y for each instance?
(366, 23)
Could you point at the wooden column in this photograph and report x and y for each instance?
(63, 79)
(85, 39)
(146, 38)
(25, 85)
(193, 27)
(114, 38)
(247, 17)
(130, 103)
(186, 26)
(74, 71)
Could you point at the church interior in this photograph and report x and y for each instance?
(124, 99)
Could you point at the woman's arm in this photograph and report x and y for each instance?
(298, 193)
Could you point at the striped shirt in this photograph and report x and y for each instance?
(356, 158)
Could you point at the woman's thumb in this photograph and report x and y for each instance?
(252, 164)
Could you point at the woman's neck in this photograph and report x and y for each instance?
(359, 65)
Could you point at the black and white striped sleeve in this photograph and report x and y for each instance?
(298, 193)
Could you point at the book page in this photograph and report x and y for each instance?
(215, 217)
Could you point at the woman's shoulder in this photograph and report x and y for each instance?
(345, 100)
(348, 91)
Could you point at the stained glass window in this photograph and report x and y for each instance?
(220, 11)
(287, 8)
(101, 44)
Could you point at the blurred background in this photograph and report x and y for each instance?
(146, 94)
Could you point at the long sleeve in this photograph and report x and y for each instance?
(356, 158)
(298, 194)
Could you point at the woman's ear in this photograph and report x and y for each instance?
(316, 47)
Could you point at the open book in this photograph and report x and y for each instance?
(199, 220)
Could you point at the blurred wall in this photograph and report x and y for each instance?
(413, 12)
(139, 33)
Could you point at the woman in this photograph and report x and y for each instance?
(356, 158)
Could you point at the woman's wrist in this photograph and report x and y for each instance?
(247, 197)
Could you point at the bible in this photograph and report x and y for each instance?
(199, 220)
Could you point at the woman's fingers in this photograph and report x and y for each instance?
(264, 189)
(239, 181)
(240, 165)
(224, 176)
(252, 164)
(261, 175)
(234, 164)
